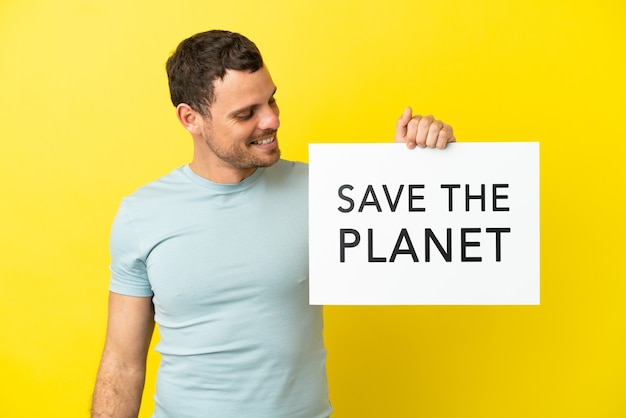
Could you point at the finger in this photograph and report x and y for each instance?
(433, 133)
(445, 136)
(401, 125)
(422, 130)
(411, 131)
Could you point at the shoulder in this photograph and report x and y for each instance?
(287, 180)
(169, 182)
(156, 196)
(170, 185)
(287, 169)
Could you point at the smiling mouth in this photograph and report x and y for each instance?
(265, 141)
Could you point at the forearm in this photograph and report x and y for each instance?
(118, 391)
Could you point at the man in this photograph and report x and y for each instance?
(216, 253)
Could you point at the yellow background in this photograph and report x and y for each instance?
(85, 119)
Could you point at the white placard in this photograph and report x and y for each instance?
(392, 226)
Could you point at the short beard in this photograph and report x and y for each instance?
(240, 159)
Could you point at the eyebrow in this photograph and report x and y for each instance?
(249, 107)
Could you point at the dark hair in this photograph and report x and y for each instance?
(201, 59)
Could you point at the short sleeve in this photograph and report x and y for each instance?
(128, 262)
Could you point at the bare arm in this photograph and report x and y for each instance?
(122, 371)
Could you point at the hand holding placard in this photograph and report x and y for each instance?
(422, 131)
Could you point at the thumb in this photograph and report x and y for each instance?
(401, 125)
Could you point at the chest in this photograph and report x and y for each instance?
(226, 252)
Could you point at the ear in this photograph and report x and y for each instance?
(189, 118)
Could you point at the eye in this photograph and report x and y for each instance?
(245, 116)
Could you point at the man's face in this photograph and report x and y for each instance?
(240, 134)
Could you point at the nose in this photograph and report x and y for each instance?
(269, 117)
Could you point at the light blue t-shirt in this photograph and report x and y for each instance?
(227, 266)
